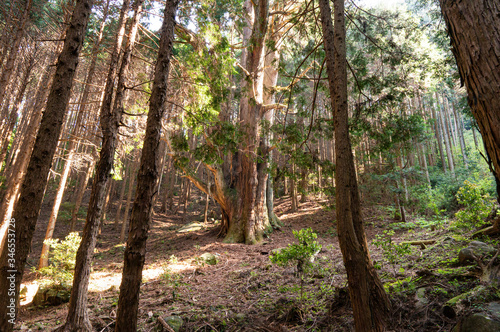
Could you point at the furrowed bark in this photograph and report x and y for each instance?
(147, 181)
(28, 207)
(369, 301)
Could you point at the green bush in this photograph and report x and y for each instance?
(476, 205)
(61, 260)
(301, 253)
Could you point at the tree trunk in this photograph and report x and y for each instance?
(125, 176)
(437, 132)
(293, 190)
(476, 50)
(28, 207)
(73, 146)
(11, 123)
(15, 173)
(460, 133)
(14, 51)
(369, 301)
(247, 223)
(147, 178)
(105, 206)
(77, 319)
(132, 176)
(442, 118)
(82, 185)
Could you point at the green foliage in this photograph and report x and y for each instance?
(61, 260)
(393, 252)
(301, 253)
(477, 205)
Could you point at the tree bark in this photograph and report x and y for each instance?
(12, 120)
(82, 185)
(460, 133)
(132, 176)
(15, 173)
(369, 301)
(125, 176)
(14, 51)
(77, 319)
(446, 134)
(147, 178)
(474, 29)
(247, 223)
(73, 146)
(28, 207)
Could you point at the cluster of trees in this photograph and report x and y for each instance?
(279, 100)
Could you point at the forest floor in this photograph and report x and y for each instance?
(244, 291)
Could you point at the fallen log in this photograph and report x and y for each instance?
(491, 230)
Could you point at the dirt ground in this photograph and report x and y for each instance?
(244, 291)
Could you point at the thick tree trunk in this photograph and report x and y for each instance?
(369, 302)
(28, 207)
(147, 178)
(474, 29)
(247, 223)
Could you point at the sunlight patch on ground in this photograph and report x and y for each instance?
(179, 267)
(32, 289)
(102, 281)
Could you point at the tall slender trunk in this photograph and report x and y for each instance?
(293, 189)
(14, 51)
(132, 175)
(7, 32)
(28, 207)
(460, 134)
(424, 163)
(125, 176)
(369, 301)
(445, 132)
(476, 144)
(105, 206)
(82, 185)
(15, 173)
(12, 120)
(77, 319)
(73, 146)
(135, 252)
(438, 133)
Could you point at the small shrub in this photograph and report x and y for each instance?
(477, 206)
(61, 260)
(301, 253)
